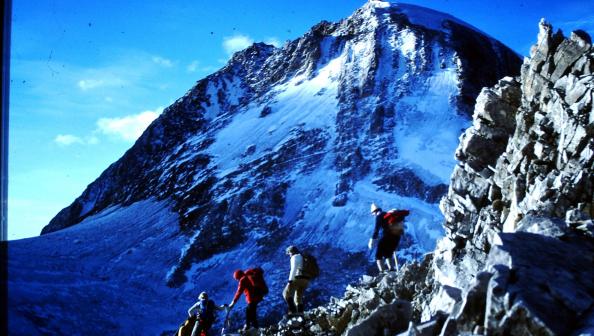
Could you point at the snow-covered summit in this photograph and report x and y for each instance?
(281, 146)
(414, 14)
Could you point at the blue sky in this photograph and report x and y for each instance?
(88, 76)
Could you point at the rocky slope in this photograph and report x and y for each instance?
(518, 254)
(281, 146)
(520, 204)
(380, 304)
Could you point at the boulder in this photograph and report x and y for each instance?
(540, 284)
(393, 318)
(551, 227)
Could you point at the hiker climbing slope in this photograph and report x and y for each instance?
(392, 225)
(303, 268)
(205, 314)
(251, 283)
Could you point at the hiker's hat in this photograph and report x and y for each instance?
(374, 208)
(292, 249)
(238, 274)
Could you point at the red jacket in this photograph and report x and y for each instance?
(245, 286)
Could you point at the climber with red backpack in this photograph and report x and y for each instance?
(392, 225)
(304, 268)
(251, 283)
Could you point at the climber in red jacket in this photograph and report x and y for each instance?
(252, 297)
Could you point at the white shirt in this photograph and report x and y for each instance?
(296, 266)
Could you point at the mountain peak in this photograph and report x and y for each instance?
(374, 4)
(289, 146)
(411, 14)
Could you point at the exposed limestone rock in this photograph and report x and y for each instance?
(568, 53)
(519, 205)
(389, 319)
(445, 300)
(549, 294)
(546, 226)
(375, 305)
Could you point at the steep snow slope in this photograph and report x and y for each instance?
(103, 276)
(282, 146)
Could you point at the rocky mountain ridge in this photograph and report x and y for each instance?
(367, 72)
(282, 146)
(530, 195)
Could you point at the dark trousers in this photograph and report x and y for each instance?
(387, 246)
(251, 315)
(201, 327)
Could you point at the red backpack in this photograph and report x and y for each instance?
(394, 220)
(256, 278)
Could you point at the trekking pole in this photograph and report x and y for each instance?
(371, 250)
(226, 322)
(396, 262)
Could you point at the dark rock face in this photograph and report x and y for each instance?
(472, 49)
(388, 318)
(405, 182)
(550, 294)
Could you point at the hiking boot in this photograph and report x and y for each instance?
(292, 307)
(251, 331)
(285, 319)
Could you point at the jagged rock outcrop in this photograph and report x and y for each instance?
(375, 305)
(519, 239)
